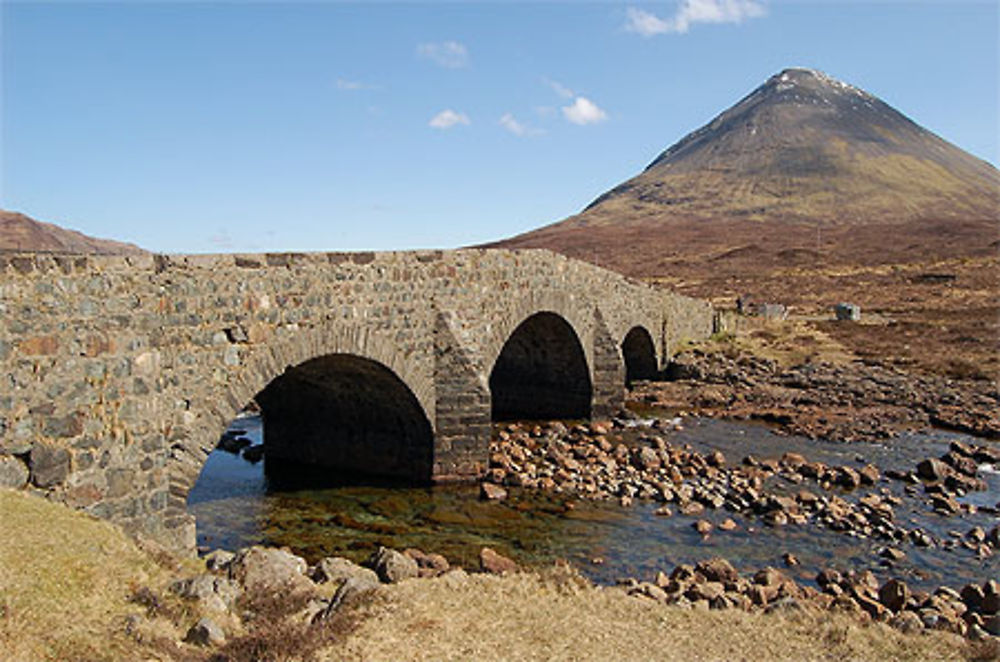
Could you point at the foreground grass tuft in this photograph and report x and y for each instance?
(65, 583)
(529, 617)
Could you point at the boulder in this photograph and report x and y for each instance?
(430, 565)
(991, 597)
(495, 563)
(352, 586)
(907, 622)
(270, 570)
(702, 526)
(718, 570)
(212, 592)
(869, 474)
(933, 469)
(972, 596)
(205, 632)
(253, 454)
(491, 492)
(960, 463)
(894, 594)
(218, 560)
(705, 591)
(392, 566)
(336, 569)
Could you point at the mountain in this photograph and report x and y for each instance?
(21, 233)
(803, 169)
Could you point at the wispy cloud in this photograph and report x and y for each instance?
(559, 88)
(346, 85)
(583, 111)
(447, 54)
(448, 118)
(690, 12)
(509, 122)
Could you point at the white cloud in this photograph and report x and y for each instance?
(559, 88)
(691, 12)
(584, 111)
(353, 85)
(509, 122)
(448, 54)
(448, 118)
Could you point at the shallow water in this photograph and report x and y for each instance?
(235, 506)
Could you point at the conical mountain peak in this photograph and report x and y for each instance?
(801, 150)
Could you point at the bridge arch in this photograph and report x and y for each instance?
(639, 354)
(541, 372)
(334, 350)
(350, 415)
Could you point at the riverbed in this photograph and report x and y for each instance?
(236, 504)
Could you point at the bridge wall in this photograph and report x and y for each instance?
(120, 373)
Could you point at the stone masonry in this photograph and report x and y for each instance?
(120, 373)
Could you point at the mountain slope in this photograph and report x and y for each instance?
(802, 166)
(808, 192)
(21, 233)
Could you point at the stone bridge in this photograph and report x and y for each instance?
(120, 373)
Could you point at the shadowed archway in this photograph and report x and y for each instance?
(541, 372)
(639, 354)
(348, 414)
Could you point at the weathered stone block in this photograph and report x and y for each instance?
(39, 346)
(13, 472)
(49, 465)
(70, 425)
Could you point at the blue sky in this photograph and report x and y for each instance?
(233, 126)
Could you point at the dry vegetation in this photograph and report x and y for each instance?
(65, 583)
(528, 617)
(929, 293)
(74, 588)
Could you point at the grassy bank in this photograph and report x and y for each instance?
(68, 586)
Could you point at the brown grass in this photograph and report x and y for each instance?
(65, 583)
(68, 584)
(527, 617)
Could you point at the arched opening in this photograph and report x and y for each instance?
(639, 353)
(298, 465)
(348, 415)
(541, 373)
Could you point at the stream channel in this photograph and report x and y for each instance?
(236, 505)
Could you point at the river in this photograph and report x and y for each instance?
(237, 505)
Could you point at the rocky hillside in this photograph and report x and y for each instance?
(21, 233)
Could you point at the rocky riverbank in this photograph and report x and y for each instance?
(79, 589)
(593, 461)
(238, 590)
(836, 401)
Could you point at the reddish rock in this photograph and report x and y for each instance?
(705, 591)
(869, 474)
(960, 463)
(495, 563)
(894, 594)
(491, 492)
(933, 469)
(704, 527)
(717, 570)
